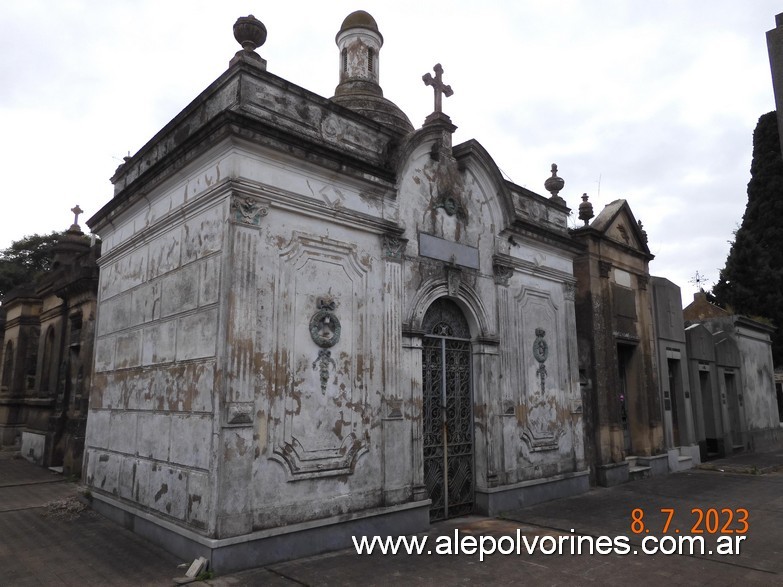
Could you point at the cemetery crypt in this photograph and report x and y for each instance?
(316, 320)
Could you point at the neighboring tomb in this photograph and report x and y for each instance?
(316, 322)
(47, 359)
(732, 378)
(672, 354)
(624, 433)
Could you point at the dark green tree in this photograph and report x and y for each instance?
(25, 260)
(751, 283)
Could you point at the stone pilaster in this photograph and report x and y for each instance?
(239, 365)
(396, 429)
(412, 356)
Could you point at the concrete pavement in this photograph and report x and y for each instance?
(48, 537)
(42, 545)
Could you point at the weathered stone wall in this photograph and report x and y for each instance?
(743, 413)
(150, 430)
(673, 379)
(761, 410)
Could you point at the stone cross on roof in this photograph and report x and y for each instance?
(76, 211)
(438, 86)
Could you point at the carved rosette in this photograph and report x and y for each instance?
(249, 211)
(393, 247)
(502, 273)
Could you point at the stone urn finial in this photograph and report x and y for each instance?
(643, 232)
(585, 210)
(554, 184)
(251, 34)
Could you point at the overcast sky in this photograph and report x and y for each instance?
(651, 101)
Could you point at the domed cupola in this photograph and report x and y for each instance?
(360, 42)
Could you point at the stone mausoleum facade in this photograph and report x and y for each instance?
(624, 430)
(47, 354)
(315, 320)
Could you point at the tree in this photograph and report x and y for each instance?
(751, 283)
(25, 260)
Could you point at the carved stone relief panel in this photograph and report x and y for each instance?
(393, 247)
(502, 273)
(540, 340)
(322, 345)
(247, 210)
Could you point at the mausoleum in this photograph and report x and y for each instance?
(316, 320)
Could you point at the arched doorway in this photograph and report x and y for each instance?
(447, 411)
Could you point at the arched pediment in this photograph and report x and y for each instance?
(456, 193)
(465, 297)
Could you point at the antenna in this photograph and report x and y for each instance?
(598, 195)
(698, 279)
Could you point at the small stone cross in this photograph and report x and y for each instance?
(438, 86)
(76, 211)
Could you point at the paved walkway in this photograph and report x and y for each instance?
(47, 539)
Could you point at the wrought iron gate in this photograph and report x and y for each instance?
(448, 411)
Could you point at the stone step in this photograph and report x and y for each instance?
(684, 463)
(635, 473)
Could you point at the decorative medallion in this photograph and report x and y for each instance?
(324, 325)
(540, 347)
(331, 128)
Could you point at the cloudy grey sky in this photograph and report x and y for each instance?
(654, 102)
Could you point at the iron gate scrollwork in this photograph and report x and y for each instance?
(448, 411)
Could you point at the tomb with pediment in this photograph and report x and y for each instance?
(316, 321)
(617, 358)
